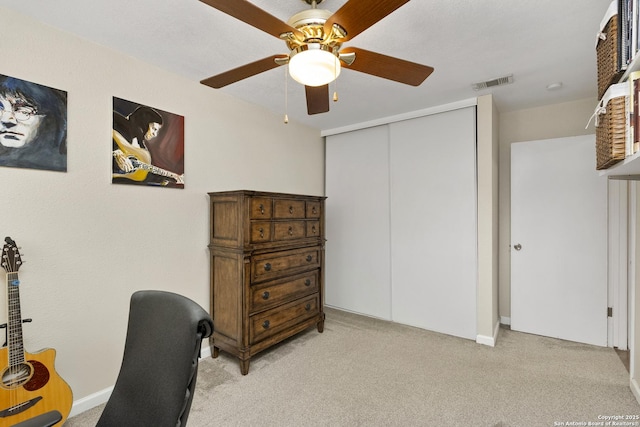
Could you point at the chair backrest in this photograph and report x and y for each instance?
(160, 364)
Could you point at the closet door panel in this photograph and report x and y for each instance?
(357, 256)
(433, 222)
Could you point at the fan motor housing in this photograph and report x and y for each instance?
(310, 22)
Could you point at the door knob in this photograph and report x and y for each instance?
(517, 246)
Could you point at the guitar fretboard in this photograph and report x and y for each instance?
(14, 327)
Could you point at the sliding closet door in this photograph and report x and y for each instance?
(357, 258)
(433, 222)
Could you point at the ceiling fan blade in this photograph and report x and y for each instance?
(317, 99)
(387, 67)
(355, 16)
(248, 70)
(251, 14)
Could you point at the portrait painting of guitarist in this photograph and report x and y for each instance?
(148, 146)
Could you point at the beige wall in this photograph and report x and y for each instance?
(552, 121)
(487, 305)
(89, 244)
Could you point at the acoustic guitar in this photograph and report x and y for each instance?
(141, 161)
(29, 384)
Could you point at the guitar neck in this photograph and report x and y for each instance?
(14, 326)
(154, 169)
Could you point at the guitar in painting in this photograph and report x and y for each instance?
(29, 385)
(141, 161)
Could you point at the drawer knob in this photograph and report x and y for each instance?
(313, 210)
(291, 210)
(265, 295)
(290, 231)
(265, 324)
(307, 307)
(261, 209)
(261, 230)
(307, 282)
(309, 258)
(313, 229)
(267, 267)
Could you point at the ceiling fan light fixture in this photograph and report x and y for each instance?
(314, 65)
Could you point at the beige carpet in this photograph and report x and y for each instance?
(368, 372)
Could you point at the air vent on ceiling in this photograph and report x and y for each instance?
(495, 82)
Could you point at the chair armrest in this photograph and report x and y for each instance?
(43, 420)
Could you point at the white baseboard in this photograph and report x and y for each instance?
(91, 401)
(505, 320)
(490, 341)
(102, 396)
(635, 388)
(205, 350)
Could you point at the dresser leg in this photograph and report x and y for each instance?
(215, 352)
(321, 326)
(244, 366)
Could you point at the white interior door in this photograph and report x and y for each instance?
(559, 240)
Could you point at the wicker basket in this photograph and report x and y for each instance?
(607, 50)
(611, 126)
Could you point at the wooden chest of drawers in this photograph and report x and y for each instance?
(267, 269)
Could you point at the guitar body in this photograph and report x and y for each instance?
(141, 160)
(130, 151)
(135, 175)
(32, 389)
(29, 383)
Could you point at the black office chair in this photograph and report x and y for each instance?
(157, 377)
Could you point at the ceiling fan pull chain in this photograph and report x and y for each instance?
(335, 83)
(286, 94)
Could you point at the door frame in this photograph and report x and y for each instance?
(617, 263)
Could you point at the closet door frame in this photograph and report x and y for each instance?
(341, 246)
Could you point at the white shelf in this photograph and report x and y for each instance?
(629, 168)
(634, 65)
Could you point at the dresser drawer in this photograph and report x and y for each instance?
(313, 209)
(260, 231)
(260, 208)
(288, 208)
(288, 230)
(313, 228)
(265, 324)
(271, 294)
(276, 264)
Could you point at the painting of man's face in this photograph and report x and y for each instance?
(33, 125)
(19, 122)
(152, 132)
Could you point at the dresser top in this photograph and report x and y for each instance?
(253, 193)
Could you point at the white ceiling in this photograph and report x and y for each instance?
(466, 41)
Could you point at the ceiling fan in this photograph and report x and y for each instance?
(314, 38)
